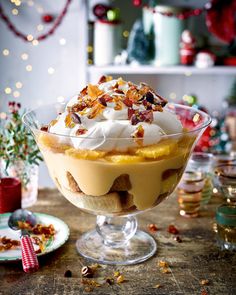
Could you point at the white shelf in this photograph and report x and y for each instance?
(150, 69)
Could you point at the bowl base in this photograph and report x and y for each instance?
(139, 248)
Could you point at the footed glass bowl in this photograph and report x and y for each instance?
(115, 185)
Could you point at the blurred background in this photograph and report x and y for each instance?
(185, 49)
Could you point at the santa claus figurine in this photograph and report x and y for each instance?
(187, 48)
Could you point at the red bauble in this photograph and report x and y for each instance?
(47, 18)
(220, 19)
(137, 3)
(100, 10)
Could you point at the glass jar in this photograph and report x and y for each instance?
(226, 227)
(189, 193)
(203, 162)
(226, 178)
(28, 174)
(167, 31)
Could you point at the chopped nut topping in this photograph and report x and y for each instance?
(44, 128)
(165, 270)
(163, 263)
(53, 122)
(120, 279)
(95, 111)
(69, 122)
(8, 244)
(84, 91)
(81, 131)
(93, 91)
(76, 119)
(116, 274)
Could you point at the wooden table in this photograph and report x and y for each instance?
(197, 258)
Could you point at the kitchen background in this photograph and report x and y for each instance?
(55, 67)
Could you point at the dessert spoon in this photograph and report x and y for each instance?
(29, 257)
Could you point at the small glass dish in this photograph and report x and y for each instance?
(226, 179)
(203, 162)
(226, 227)
(189, 192)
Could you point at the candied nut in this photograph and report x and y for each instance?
(69, 123)
(152, 227)
(76, 118)
(204, 282)
(173, 230)
(116, 274)
(165, 270)
(110, 281)
(163, 263)
(120, 279)
(87, 272)
(102, 79)
(157, 286)
(44, 128)
(68, 273)
(149, 97)
(178, 239)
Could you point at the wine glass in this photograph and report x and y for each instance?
(113, 185)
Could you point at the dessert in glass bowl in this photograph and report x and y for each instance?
(114, 150)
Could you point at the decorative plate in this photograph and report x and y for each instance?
(61, 236)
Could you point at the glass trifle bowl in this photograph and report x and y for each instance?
(115, 159)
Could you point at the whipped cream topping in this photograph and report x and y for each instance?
(104, 113)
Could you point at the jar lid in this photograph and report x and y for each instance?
(226, 215)
(170, 9)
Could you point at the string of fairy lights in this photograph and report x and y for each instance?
(14, 88)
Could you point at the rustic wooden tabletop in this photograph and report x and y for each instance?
(196, 266)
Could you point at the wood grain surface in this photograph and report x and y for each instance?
(197, 258)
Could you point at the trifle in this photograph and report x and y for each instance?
(114, 150)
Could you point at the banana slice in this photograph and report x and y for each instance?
(164, 148)
(85, 154)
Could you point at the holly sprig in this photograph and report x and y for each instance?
(16, 141)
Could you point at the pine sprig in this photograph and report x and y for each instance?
(16, 142)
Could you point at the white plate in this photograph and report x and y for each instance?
(61, 236)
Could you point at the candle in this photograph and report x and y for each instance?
(10, 194)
